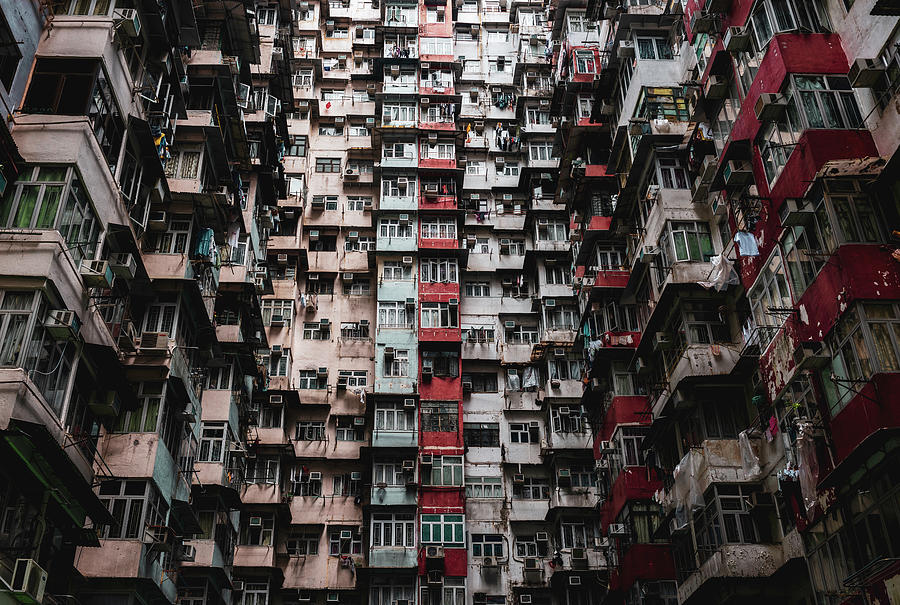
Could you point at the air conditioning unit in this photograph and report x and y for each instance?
(607, 447)
(811, 355)
(154, 343)
(770, 107)
(28, 582)
(188, 553)
(128, 20)
(865, 73)
(282, 259)
(347, 277)
(519, 478)
(63, 324)
(574, 580)
(315, 476)
(617, 529)
(123, 265)
(716, 87)
(255, 521)
(467, 386)
(409, 404)
(708, 168)
(737, 40)
(525, 599)
(277, 321)
(426, 459)
(342, 382)
(738, 173)
(407, 260)
(157, 221)
(314, 235)
(389, 352)
(541, 536)
(237, 585)
(351, 173)
(434, 552)
(550, 302)
(96, 273)
(625, 49)
(322, 372)
(276, 399)
(353, 236)
(559, 352)
(489, 562)
(370, 121)
(105, 403)
(795, 212)
(579, 554)
(661, 341)
(346, 534)
(532, 564)
(426, 101)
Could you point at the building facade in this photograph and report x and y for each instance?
(424, 302)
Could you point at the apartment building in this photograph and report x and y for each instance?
(442, 303)
(744, 446)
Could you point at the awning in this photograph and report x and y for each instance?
(876, 448)
(45, 458)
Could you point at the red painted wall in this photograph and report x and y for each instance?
(854, 272)
(455, 563)
(437, 291)
(434, 500)
(600, 223)
(612, 279)
(876, 406)
(624, 409)
(643, 562)
(633, 483)
(440, 388)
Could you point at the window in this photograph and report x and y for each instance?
(483, 434)
(866, 340)
(266, 16)
(442, 529)
(726, 519)
(654, 48)
(482, 382)
(552, 231)
(331, 130)
(174, 240)
(258, 529)
(144, 419)
(540, 151)
(395, 417)
(392, 227)
(355, 331)
(439, 315)
(270, 416)
(445, 471)
(775, 16)
(562, 318)
(387, 591)
(348, 430)
(344, 541)
(475, 167)
(10, 55)
(524, 432)
(484, 487)
(310, 379)
(219, 377)
(437, 46)
(528, 546)
(440, 417)
(277, 313)
(310, 430)
(313, 330)
(671, 173)
(478, 288)
(441, 363)
(487, 545)
(53, 197)
(575, 534)
(134, 505)
(262, 470)
(213, 438)
(691, 241)
(397, 366)
(558, 275)
(585, 62)
(278, 365)
(360, 286)
(437, 228)
(532, 488)
(328, 164)
(568, 419)
(438, 270)
(769, 296)
(398, 529)
(303, 543)
(398, 113)
(855, 216)
(522, 335)
(345, 485)
(577, 21)
(357, 203)
(78, 87)
(255, 593)
(392, 315)
(303, 484)
(827, 102)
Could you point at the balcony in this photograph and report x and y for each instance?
(394, 495)
(564, 389)
(206, 554)
(254, 556)
(570, 440)
(385, 438)
(398, 202)
(125, 560)
(696, 361)
(396, 244)
(515, 353)
(440, 335)
(437, 163)
(528, 510)
(429, 243)
(393, 558)
(545, 245)
(405, 160)
(617, 340)
(393, 51)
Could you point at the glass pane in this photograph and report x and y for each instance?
(884, 348)
(27, 202)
